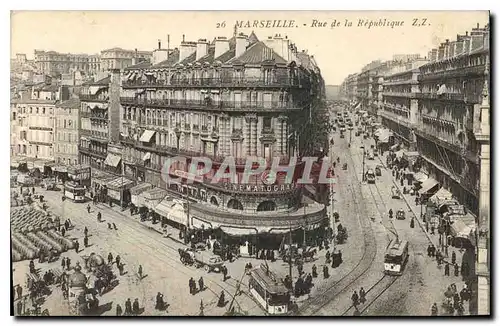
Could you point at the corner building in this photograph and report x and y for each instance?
(238, 97)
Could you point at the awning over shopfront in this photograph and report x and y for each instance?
(420, 177)
(136, 193)
(120, 183)
(410, 155)
(427, 186)
(153, 197)
(172, 210)
(238, 231)
(112, 160)
(147, 135)
(453, 210)
(441, 196)
(464, 227)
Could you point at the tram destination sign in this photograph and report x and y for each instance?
(258, 188)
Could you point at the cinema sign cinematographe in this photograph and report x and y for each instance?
(259, 188)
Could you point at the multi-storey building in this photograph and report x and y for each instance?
(54, 63)
(118, 58)
(94, 63)
(67, 132)
(399, 106)
(350, 87)
(234, 98)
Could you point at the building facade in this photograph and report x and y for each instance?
(118, 58)
(234, 98)
(67, 132)
(54, 63)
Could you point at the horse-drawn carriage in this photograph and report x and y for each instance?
(201, 257)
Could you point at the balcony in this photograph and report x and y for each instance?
(448, 73)
(84, 114)
(220, 106)
(99, 117)
(91, 151)
(173, 151)
(94, 98)
(100, 136)
(400, 94)
(219, 82)
(444, 97)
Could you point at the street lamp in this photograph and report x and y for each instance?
(364, 154)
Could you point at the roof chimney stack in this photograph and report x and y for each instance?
(221, 46)
(183, 38)
(241, 44)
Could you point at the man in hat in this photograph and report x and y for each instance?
(110, 259)
(201, 284)
(447, 270)
(77, 246)
(128, 307)
(86, 241)
(135, 307)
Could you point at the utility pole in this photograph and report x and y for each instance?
(363, 176)
(290, 258)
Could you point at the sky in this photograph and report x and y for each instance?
(339, 48)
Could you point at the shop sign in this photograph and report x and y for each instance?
(258, 188)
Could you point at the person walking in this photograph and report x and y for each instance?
(447, 270)
(201, 284)
(114, 226)
(77, 246)
(453, 257)
(63, 231)
(159, 302)
(88, 208)
(63, 262)
(224, 273)
(86, 241)
(85, 232)
(314, 271)
(110, 259)
(355, 299)
(434, 309)
(119, 310)
(68, 263)
(362, 295)
(457, 272)
(139, 272)
(117, 260)
(135, 307)
(19, 290)
(128, 307)
(222, 300)
(325, 272)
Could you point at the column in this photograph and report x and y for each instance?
(279, 129)
(247, 135)
(255, 135)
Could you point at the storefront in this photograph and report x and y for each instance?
(428, 188)
(174, 212)
(118, 190)
(136, 192)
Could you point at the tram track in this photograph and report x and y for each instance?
(319, 302)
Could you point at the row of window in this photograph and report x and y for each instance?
(35, 110)
(69, 149)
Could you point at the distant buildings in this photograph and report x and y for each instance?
(67, 126)
(118, 58)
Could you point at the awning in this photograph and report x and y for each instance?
(172, 210)
(441, 196)
(146, 156)
(147, 135)
(238, 231)
(410, 155)
(112, 160)
(140, 188)
(94, 89)
(155, 194)
(464, 226)
(120, 183)
(420, 176)
(428, 185)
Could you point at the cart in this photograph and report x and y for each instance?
(400, 215)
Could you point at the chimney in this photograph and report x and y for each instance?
(221, 46)
(186, 49)
(241, 44)
(440, 53)
(477, 41)
(134, 59)
(168, 43)
(201, 49)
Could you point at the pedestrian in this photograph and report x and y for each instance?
(429, 250)
(19, 290)
(453, 257)
(66, 224)
(117, 260)
(99, 216)
(88, 208)
(192, 286)
(447, 270)
(433, 228)
(201, 283)
(434, 309)
(19, 308)
(412, 223)
(86, 241)
(110, 259)
(68, 263)
(456, 270)
(128, 307)
(314, 271)
(224, 273)
(85, 231)
(222, 300)
(159, 301)
(63, 231)
(109, 226)
(77, 246)
(114, 226)
(390, 213)
(327, 257)
(120, 269)
(362, 295)
(355, 299)
(139, 272)
(460, 309)
(135, 307)
(63, 262)
(325, 272)
(119, 310)
(33, 190)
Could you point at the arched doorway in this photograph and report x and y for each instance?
(235, 204)
(214, 201)
(267, 205)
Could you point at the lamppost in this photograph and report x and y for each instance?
(364, 154)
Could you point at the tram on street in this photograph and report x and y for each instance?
(269, 291)
(74, 191)
(370, 176)
(396, 257)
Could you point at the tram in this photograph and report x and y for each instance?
(370, 176)
(269, 291)
(396, 257)
(74, 191)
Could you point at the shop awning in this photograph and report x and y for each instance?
(238, 231)
(420, 176)
(441, 196)
(147, 135)
(155, 194)
(112, 160)
(172, 210)
(454, 209)
(428, 185)
(146, 156)
(120, 183)
(140, 188)
(464, 226)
